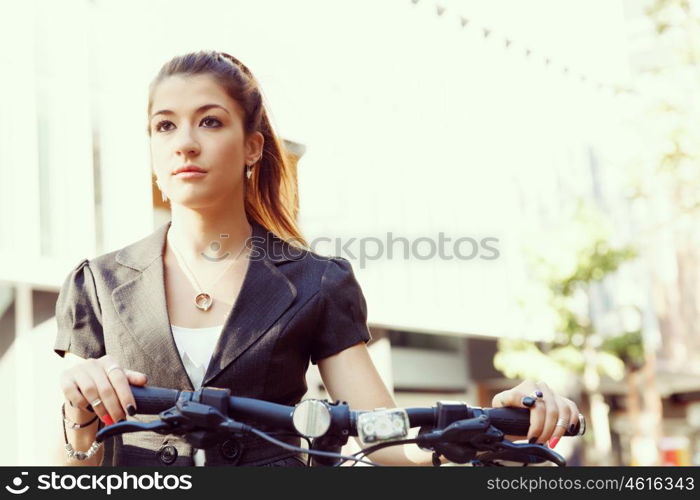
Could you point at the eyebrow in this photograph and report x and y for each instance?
(198, 110)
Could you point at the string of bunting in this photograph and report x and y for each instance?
(510, 44)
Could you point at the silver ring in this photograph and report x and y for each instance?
(582, 424)
(561, 423)
(113, 367)
(96, 403)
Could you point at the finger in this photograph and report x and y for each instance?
(538, 414)
(521, 397)
(573, 419)
(109, 397)
(562, 422)
(514, 398)
(552, 412)
(86, 386)
(524, 397)
(120, 383)
(136, 378)
(500, 400)
(71, 393)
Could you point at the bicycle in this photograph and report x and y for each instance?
(462, 434)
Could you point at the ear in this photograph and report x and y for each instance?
(254, 147)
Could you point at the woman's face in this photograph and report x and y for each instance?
(194, 122)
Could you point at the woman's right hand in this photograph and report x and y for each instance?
(92, 379)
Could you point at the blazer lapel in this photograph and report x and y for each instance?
(140, 303)
(265, 295)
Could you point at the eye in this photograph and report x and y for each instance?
(210, 119)
(160, 124)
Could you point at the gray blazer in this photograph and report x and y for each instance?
(294, 306)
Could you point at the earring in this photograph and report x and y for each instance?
(248, 171)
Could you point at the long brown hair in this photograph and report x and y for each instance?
(271, 194)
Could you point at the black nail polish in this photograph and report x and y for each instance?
(533, 440)
(528, 401)
(130, 410)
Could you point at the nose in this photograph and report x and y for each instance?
(187, 144)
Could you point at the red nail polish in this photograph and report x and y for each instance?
(108, 420)
(553, 442)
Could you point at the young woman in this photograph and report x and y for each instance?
(225, 294)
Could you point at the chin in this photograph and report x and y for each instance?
(202, 201)
(195, 206)
(193, 203)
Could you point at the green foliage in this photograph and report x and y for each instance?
(524, 359)
(594, 263)
(629, 347)
(558, 360)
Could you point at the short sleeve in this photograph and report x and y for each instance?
(343, 311)
(79, 316)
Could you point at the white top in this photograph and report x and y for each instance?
(196, 346)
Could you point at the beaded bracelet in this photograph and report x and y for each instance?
(72, 452)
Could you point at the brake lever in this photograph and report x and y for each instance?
(131, 426)
(460, 441)
(524, 453)
(193, 420)
(538, 450)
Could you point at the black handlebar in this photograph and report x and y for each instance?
(510, 421)
(453, 429)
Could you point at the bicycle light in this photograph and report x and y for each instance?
(311, 418)
(382, 425)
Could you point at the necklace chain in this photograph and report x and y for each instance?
(190, 274)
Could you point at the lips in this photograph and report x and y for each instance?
(189, 168)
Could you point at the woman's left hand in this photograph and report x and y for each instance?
(550, 415)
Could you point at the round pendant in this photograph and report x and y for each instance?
(203, 301)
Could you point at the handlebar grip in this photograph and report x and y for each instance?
(153, 400)
(516, 421)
